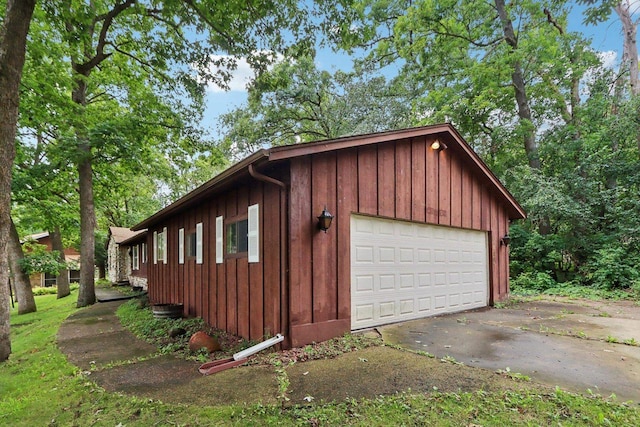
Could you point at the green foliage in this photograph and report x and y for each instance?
(38, 259)
(52, 290)
(613, 267)
(297, 102)
(533, 281)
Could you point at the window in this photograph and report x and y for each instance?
(190, 244)
(237, 237)
(242, 236)
(135, 260)
(160, 246)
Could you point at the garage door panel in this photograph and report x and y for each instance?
(402, 270)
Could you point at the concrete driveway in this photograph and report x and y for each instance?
(563, 342)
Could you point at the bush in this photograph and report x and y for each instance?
(532, 282)
(52, 290)
(613, 268)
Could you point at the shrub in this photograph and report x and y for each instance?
(532, 282)
(613, 268)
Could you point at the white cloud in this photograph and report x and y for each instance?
(608, 58)
(241, 76)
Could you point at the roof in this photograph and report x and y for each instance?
(121, 234)
(139, 235)
(36, 236)
(453, 138)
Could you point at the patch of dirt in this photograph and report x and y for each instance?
(383, 370)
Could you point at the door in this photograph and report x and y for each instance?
(402, 270)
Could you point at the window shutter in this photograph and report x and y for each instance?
(155, 247)
(136, 259)
(199, 243)
(219, 241)
(253, 233)
(181, 246)
(164, 244)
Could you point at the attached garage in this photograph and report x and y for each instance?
(418, 229)
(402, 270)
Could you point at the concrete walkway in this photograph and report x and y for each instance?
(94, 340)
(567, 343)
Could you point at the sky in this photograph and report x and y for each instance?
(605, 37)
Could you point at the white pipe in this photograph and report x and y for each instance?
(256, 348)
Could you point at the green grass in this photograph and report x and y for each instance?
(38, 387)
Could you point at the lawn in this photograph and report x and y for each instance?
(38, 387)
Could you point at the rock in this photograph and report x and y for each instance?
(177, 332)
(202, 340)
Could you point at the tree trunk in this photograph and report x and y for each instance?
(87, 291)
(13, 40)
(517, 78)
(22, 285)
(630, 50)
(630, 46)
(62, 281)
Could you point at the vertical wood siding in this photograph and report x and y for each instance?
(307, 293)
(236, 296)
(404, 180)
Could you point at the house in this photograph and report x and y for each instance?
(420, 227)
(126, 256)
(138, 257)
(71, 255)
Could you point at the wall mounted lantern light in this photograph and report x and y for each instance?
(505, 240)
(439, 146)
(324, 220)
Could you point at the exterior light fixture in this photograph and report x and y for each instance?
(439, 146)
(505, 240)
(324, 220)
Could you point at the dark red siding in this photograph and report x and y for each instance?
(403, 180)
(240, 297)
(301, 287)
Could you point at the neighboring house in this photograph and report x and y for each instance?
(420, 229)
(137, 250)
(127, 256)
(71, 255)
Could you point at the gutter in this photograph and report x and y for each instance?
(284, 247)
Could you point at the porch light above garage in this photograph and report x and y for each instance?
(324, 220)
(439, 146)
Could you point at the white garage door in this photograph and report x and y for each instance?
(402, 270)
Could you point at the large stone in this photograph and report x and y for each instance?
(203, 340)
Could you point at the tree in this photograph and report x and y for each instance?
(62, 274)
(600, 11)
(13, 37)
(295, 102)
(118, 50)
(24, 294)
(486, 67)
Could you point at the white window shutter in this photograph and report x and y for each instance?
(155, 247)
(254, 233)
(219, 240)
(164, 244)
(181, 246)
(199, 243)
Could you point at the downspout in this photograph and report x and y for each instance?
(284, 260)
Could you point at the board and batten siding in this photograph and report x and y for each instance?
(237, 296)
(404, 180)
